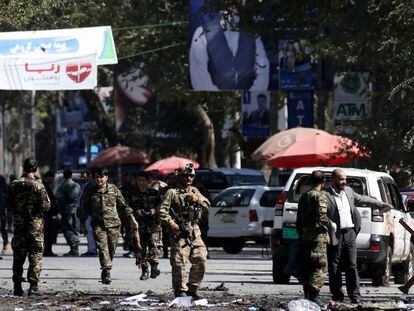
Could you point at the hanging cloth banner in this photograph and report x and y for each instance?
(69, 42)
(51, 73)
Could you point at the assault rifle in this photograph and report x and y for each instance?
(408, 228)
(184, 232)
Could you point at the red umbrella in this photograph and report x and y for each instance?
(167, 165)
(320, 150)
(117, 156)
(282, 140)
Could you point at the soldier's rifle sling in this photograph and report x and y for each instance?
(184, 232)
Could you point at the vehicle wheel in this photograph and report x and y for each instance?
(279, 277)
(405, 271)
(382, 272)
(233, 246)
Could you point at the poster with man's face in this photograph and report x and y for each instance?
(222, 57)
(255, 114)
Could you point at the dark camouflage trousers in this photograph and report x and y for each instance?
(180, 255)
(106, 241)
(28, 241)
(150, 243)
(314, 261)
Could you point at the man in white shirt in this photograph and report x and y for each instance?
(222, 58)
(342, 211)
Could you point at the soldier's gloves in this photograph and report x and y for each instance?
(334, 227)
(385, 208)
(191, 198)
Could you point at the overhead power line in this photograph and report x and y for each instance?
(176, 23)
(151, 51)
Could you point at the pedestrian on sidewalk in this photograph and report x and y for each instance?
(67, 197)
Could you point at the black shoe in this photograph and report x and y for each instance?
(145, 274)
(154, 272)
(180, 294)
(74, 251)
(89, 254)
(356, 300)
(403, 289)
(106, 276)
(194, 295)
(18, 290)
(128, 255)
(34, 290)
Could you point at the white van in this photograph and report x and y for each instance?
(242, 213)
(383, 245)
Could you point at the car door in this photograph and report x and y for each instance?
(266, 207)
(229, 213)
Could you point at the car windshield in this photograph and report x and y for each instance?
(236, 180)
(212, 180)
(302, 183)
(233, 198)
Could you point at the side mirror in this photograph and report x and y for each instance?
(410, 206)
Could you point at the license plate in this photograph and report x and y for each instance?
(289, 233)
(228, 218)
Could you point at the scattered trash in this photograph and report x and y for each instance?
(220, 288)
(201, 302)
(105, 302)
(242, 302)
(18, 309)
(134, 300)
(181, 302)
(303, 305)
(43, 303)
(252, 308)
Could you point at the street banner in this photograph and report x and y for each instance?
(295, 66)
(52, 43)
(52, 73)
(255, 114)
(300, 109)
(351, 100)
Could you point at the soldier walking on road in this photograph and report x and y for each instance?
(312, 224)
(144, 201)
(67, 197)
(187, 203)
(103, 201)
(27, 202)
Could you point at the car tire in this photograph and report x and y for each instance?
(405, 270)
(279, 277)
(382, 272)
(233, 246)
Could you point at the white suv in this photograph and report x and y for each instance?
(383, 245)
(242, 213)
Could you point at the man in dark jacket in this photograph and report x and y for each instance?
(51, 216)
(342, 211)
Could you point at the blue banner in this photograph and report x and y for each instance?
(300, 109)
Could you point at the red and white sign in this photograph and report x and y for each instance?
(53, 73)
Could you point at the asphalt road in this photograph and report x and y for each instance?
(247, 274)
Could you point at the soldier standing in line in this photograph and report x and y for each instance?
(144, 201)
(67, 197)
(187, 203)
(103, 201)
(27, 202)
(312, 224)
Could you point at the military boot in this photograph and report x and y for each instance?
(74, 251)
(18, 290)
(145, 273)
(106, 276)
(34, 290)
(154, 271)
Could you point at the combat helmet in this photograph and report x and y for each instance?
(188, 169)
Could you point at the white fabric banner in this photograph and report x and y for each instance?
(48, 43)
(51, 73)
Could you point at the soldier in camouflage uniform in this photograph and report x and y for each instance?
(103, 201)
(27, 202)
(144, 201)
(188, 203)
(312, 224)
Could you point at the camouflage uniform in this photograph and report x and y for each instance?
(27, 202)
(103, 205)
(149, 225)
(312, 225)
(180, 252)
